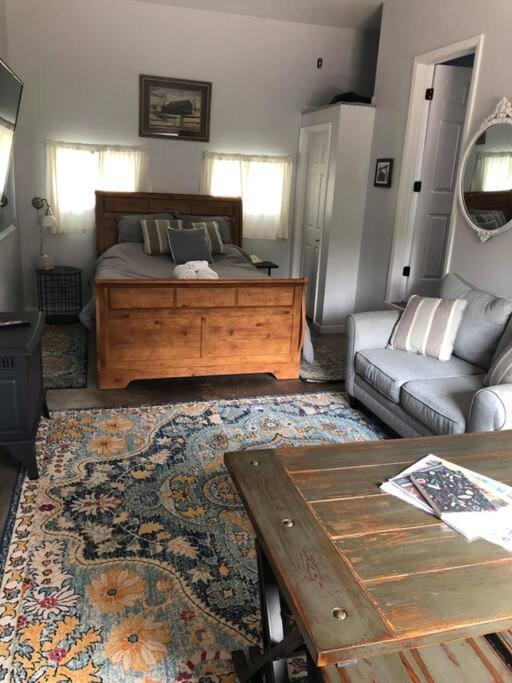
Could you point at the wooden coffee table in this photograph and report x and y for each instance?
(363, 574)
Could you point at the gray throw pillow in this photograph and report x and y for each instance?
(188, 245)
(129, 226)
(223, 221)
(483, 323)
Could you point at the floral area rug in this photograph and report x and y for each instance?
(132, 558)
(64, 351)
(328, 366)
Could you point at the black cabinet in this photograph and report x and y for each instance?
(21, 387)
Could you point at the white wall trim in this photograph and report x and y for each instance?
(412, 158)
(7, 231)
(328, 329)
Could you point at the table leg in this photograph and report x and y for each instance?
(251, 669)
(276, 646)
(314, 675)
(271, 619)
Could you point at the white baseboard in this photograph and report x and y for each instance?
(328, 329)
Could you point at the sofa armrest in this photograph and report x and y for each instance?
(367, 331)
(491, 409)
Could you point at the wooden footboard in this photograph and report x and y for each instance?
(148, 329)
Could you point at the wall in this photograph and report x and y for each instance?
(11, 296)
(411, 28)
(81, 62)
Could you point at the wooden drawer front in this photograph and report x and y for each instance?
(265, 296)
(205, 297)
(251, 327)
(155, 340)
(140, 297)
(249, 334)
(244, 349)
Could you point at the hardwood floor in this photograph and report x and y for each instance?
(164, 391)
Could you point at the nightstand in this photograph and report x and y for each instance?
(22, 398)
(269, 265)
(59, 293)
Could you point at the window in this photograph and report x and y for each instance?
(263, 182)
(493, 172)
(75, 171)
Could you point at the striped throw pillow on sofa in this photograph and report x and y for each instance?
(428, 327)
(500, 371)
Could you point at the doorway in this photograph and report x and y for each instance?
(448, 100)
(315, 141)
(437, 129)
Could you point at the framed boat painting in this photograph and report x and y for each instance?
(174, 108)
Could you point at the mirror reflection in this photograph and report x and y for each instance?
(487, 179)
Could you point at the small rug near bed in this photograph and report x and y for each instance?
(64, 349)
(132, 558)
(328, 366)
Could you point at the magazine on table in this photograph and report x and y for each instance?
(472, 504)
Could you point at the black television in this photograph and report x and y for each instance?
(11, 88)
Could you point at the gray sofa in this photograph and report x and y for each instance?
(420, 396)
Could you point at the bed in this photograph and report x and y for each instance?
(150, 326)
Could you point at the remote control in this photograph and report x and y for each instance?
(14, 323)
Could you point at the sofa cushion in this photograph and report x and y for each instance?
(387, 370)
(483, 323)
(442, 405)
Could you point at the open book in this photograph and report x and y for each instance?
(470, 503)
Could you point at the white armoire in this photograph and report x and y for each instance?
(332, 181)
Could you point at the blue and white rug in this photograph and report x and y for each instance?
(132, 558)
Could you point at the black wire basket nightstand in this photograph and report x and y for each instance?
(59, 293)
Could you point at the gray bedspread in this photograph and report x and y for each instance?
(127, 260)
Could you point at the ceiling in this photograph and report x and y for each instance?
(358, 14)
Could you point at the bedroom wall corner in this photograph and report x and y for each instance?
(81, 62)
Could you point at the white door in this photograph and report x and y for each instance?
(438, 177)
(316, 160)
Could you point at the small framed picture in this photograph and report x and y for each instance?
(383, 173)
(174, 108)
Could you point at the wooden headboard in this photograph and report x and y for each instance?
(111, 205)
(488, 201)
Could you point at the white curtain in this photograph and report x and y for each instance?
(75, 171)
(493, 172)
(264, 184)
